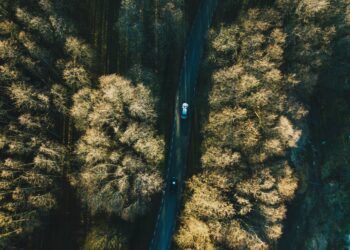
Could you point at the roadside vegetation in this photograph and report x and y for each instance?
(318, 217)
(238, 198)
(86, 104)
(40, 67)
(70, 133)
(121, 153)
(265, 64)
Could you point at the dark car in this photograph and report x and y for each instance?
(173, 184)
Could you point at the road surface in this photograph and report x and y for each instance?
(180, 135)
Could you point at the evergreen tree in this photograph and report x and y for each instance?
(149, 30)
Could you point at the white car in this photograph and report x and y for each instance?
(184, 111)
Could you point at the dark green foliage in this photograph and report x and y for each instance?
(149, 30)
(323, 199)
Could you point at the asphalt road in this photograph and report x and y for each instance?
(180, 137)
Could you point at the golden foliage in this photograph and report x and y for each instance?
(119, 149)
(194, 235)
(105, 238)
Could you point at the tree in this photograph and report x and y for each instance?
(119, 149)
(28, 188)
(194, 235)
(101, 237)
(238, 238)
(237, 200)
(148, 31)
(33, 98)
(131, 29)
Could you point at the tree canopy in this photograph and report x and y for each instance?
(119, 147)
(36, 42)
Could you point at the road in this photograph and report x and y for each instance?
(180, 135)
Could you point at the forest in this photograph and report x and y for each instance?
(89, 98)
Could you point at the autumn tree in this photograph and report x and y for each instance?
(34, 161)
(238, 200)
(260, 83)
(120, 150)
(104, 237)
(310, 38)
